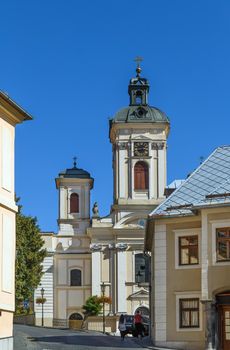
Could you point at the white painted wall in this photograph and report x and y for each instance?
(121, 279)
(96, 273)
(7, 159)
(47, 284)
(8, 248)
(122, 173)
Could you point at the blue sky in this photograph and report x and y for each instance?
(69, 62)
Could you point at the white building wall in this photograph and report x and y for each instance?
(8, 248)
(96, 273)
(121, 279)
(7, 155)
(161, 171)
(122, 173)
(152, 177)
(47, 284)
(62, 203)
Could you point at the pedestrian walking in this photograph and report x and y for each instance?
(138, 324)
(122, 326)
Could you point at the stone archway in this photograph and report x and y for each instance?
(75, 321)
(76, 316)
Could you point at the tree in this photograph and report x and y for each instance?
(93, 306)
(29, 256)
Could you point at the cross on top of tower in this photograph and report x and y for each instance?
(74, 162)
(138, 60)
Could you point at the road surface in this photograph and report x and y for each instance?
(39, 338)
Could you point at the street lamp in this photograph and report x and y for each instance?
(42, 294)
(103, 285)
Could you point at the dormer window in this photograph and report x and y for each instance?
(74, 203)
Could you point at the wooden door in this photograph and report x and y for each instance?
(225, 327)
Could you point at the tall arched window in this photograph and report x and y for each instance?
(141, 176)
(75, 277)
(142, 265)
(74, 203)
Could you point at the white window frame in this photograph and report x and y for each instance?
(188, 295)
(73, 190)
(184, 233)
(218, 224)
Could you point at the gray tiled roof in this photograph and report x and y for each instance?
(149, 115)
(75, 173)
(208, 185)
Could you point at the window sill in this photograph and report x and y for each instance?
(222, 263)
(193, 329)
(186, 267)
(141, 191)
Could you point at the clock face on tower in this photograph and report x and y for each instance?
(141, 149)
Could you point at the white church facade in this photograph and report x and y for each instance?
(88, 252)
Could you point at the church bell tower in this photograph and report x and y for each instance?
(138, 134)
(74, 187)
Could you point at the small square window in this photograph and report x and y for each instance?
(189, 313)
(223, 244)
(188, 250)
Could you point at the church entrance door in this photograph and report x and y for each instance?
(75, 321)
(224, 312)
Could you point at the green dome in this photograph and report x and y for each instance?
(75, 173)
(140, 114)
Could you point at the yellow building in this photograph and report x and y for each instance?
(188, 236)
(10, 115)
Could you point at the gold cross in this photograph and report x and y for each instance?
(138, 60)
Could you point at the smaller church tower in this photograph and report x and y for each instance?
(66, 282)
(74, 187)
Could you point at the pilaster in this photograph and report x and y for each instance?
(96, 269)
(121, 279)
(160, 298)
(204, 257)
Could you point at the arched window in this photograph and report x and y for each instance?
(74, 203)
(75, 277)
(76, 316)
(141, 176)
(139, 97)
(141, 268)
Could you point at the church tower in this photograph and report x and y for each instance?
(74, 187)
(66, 282)
(138, 134)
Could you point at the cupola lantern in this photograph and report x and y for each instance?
(138, 87)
